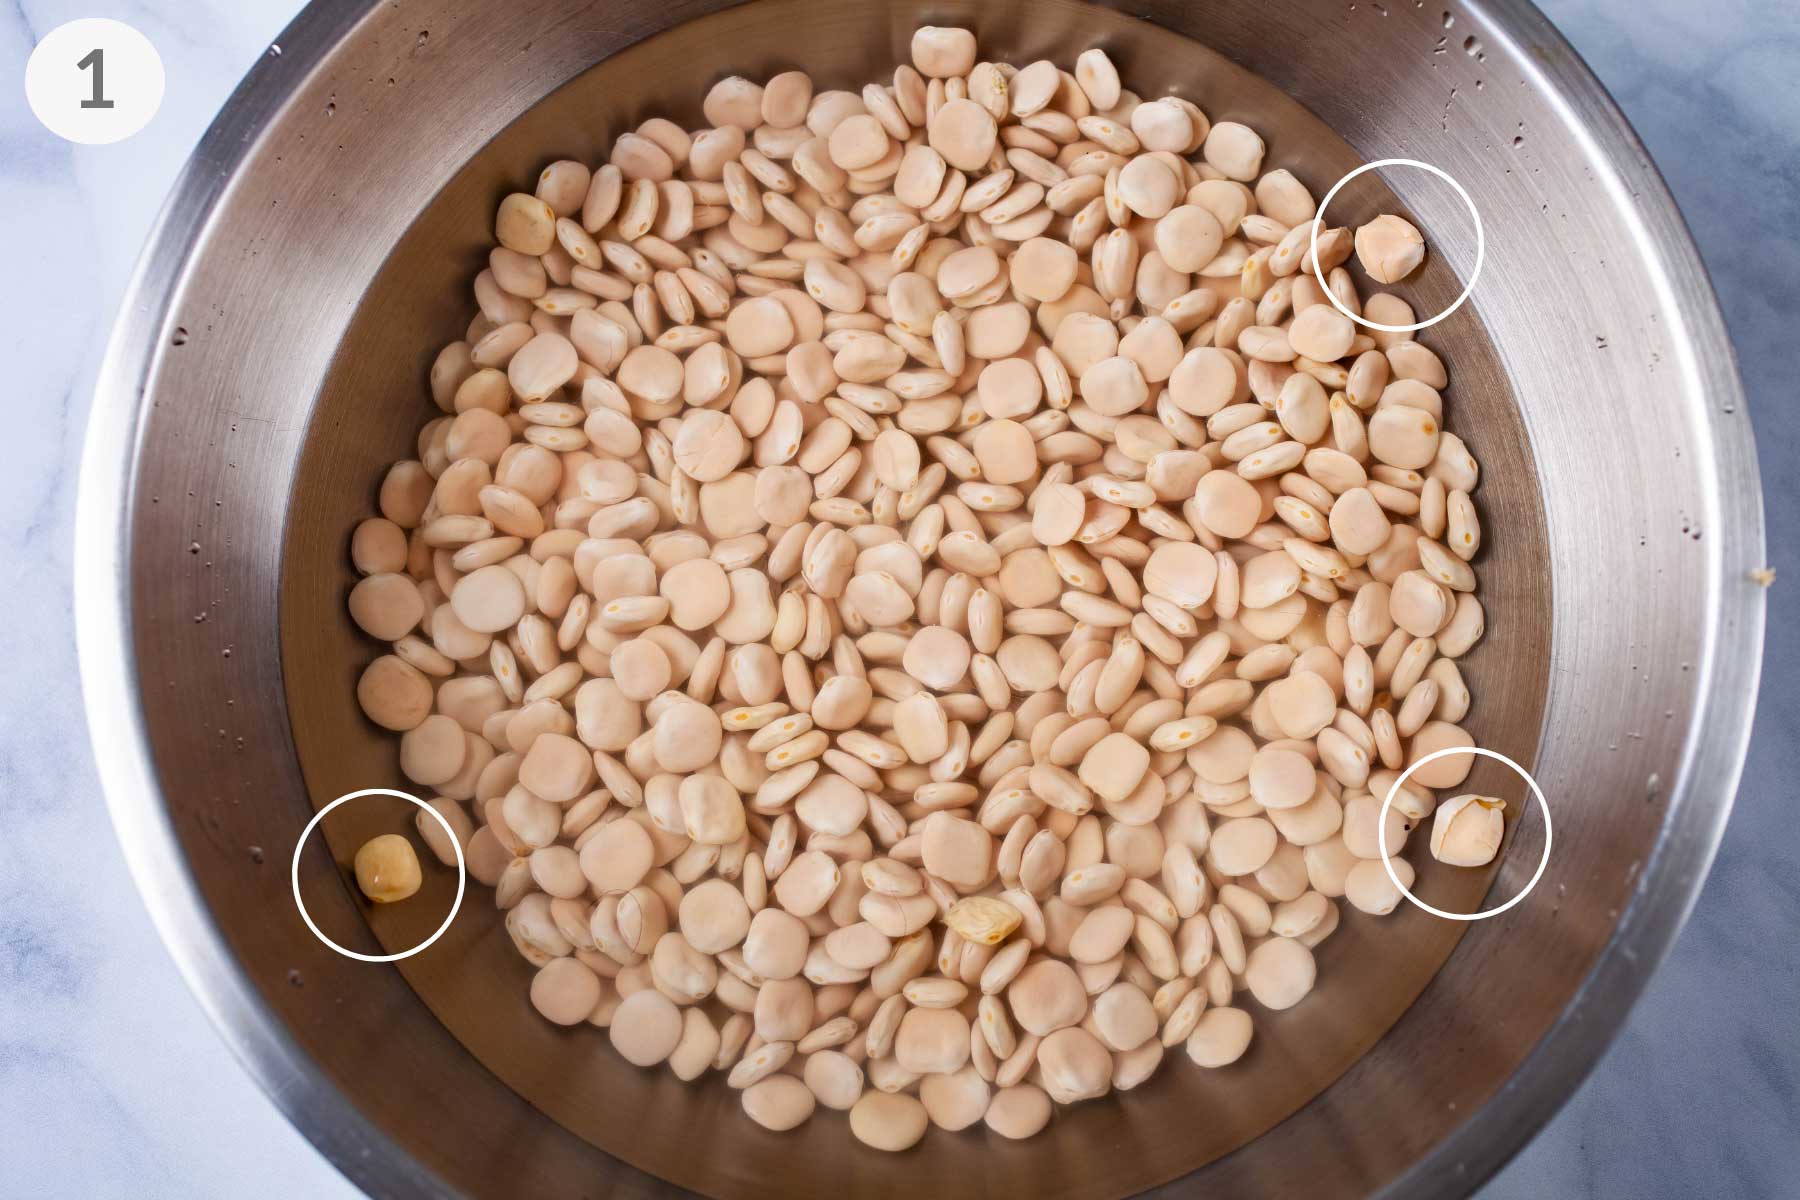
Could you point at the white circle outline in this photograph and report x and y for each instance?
(462, 875)
(1480, 248)
(1381, 832)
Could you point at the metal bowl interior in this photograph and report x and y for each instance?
(295, 307)
(475, 982)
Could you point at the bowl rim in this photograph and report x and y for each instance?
(1699, 797)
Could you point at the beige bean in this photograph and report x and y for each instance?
(1368, 886)
(941, 53)
(1047, 996)
(888, 1121)
(1220, 1038)
(778, 1103)
(964, 133)
(956, 1100)
(1389, 248)
(775, 944)
(834, 1079)
(566, 992)
(1279, 973)
(1466, 831)
(645, 1028)
(1018, 1112)
(1074, 1065)
(618, 858)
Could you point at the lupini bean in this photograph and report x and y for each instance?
(387, 869)
(1220, 1038)
(778, 1103)
(922, 597)
(645, 1028)
(566, 991)
(1389, 248)
(888, 1121)
(1466, 830)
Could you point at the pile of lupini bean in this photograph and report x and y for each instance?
(915, 597)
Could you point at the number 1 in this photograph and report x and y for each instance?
(97, 59)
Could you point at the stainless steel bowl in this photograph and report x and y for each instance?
(270, 359)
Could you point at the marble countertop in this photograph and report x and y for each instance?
(1700, 1095)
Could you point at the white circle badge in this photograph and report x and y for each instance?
(94, 81)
